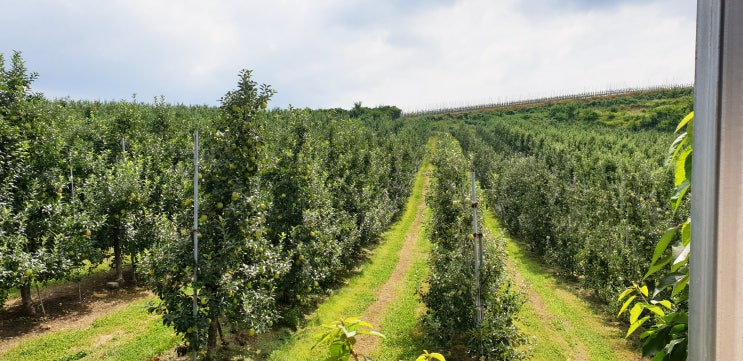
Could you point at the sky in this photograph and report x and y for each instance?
(415, 54)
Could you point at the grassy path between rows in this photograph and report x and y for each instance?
(384, 291)
(565, 325)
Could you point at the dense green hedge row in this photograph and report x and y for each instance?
(451, 294)
(289, 199)
(591, 199)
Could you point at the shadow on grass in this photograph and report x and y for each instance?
(63, 300)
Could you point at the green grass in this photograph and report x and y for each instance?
(401, 321)
(565, 326)
(360, 292)
(129, 333)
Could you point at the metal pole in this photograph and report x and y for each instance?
(715, 285)
(195, 231)
(72, 180)
(477, 237)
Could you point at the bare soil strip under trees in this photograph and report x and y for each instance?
(64, 309)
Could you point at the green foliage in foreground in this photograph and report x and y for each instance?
(341, 336)
(666, 308)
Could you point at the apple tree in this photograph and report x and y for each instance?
(237, 267)
(40, 235)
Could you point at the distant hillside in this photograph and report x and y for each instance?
(658, 108)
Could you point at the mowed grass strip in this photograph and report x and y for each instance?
(129, 333)
(360, 292)
(566, 326)
(401, 323)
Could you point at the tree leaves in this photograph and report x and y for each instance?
(666, 339)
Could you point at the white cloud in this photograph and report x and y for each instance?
(332, 53)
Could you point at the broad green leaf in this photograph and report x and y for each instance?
(686, 232)
(365, 324)
(680, 286)
(338, 350)
(681, 253)
(668, 281)
(665, 240)
(625, 293)
(351, 319)
(654, 340)
(660, 355)
(690, 132)
(684, 121)
(635, 325)
(679, 169)
(322, 337)
(657, 266)
(665, 303)
(644, 290)
(655, 309)
(680, 327)
(430, 356)
(626, 304)
(635, 312)
(681, 318)
(678, 197)
(676, 147)
(671, 344)
(687, 164)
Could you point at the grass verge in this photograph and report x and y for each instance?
(565, 325)
(129, 333)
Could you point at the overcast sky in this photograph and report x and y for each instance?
(331, 53)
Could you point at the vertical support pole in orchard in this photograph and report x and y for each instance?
(195, 228)
(477, 237)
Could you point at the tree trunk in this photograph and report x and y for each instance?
(134, 267)
(26, 300)
(117, 260)
(211, 338)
